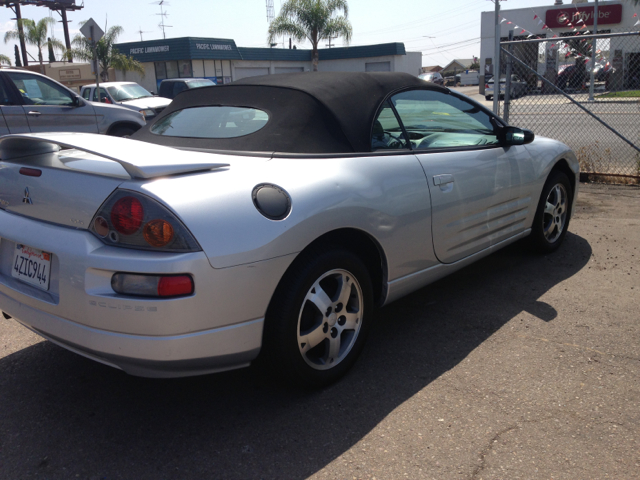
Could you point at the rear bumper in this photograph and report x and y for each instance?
(195, 353)
(218, 327)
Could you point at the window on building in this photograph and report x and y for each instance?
(185, 69)
(172, 70)
(161, 70)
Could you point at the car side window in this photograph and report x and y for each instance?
(387, 133)
(179, 87)
(104, 97)
(40, 91)
(5, 98)
(86, 93)
(439, 120)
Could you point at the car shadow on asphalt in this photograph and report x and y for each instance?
(62, 415)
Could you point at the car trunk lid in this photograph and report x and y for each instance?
(64, 178)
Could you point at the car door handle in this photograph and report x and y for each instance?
(35, 113)
(442, 179)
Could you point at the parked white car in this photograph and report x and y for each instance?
(518, 87)
(129, 95)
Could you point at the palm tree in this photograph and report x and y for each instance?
(314, 20)
(108, 56)
(35, 34)
(5, 59)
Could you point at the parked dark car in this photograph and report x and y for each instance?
(173, 86)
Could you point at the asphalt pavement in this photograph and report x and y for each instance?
(521, 366)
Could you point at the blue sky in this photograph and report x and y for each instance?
(455, 24)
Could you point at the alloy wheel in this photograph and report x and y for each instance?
(555, 213)
(330, 319)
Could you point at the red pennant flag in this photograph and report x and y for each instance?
(634, 15)
(523, 30)
(536, 16)
(544, 26)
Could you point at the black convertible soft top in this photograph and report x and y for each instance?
(315, 112)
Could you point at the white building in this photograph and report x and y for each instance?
(222, 61)
(563, 20)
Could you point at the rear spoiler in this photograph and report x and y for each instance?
(139, 159)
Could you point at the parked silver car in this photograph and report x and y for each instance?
(433, 77)
(519, 87)
(30, 102)
(269, 216)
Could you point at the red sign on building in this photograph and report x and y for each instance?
(562, 17)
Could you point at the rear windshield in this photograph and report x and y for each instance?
(199, 83)
(211, 122)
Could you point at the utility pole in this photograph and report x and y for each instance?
(593, 51)
(23, 47)
(496, 60)
(65, 27)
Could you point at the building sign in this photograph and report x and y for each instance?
(158, 49)
(70, 74)
(212, 46)
(562, 17)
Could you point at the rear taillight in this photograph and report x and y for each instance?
(130, 219)
(164, 286)
(486, 85)
(126, 215)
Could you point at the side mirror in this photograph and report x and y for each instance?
(76, 101)
(515, 136)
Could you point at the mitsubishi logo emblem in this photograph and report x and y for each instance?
(27, 198)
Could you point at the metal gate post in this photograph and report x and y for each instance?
(507, 83)
(496, 61)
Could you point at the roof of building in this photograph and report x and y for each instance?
(189, 48)
(313, 112)
(432, 68)
(463, 62)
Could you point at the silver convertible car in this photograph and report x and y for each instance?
(265, 219)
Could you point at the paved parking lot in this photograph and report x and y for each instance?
(518, 367)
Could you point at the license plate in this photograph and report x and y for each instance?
(32, 266)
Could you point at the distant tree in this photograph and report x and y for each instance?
(5, 59)
(16, 52)
(474, 66)
(35, 34)
(52, 56)
(313, 20)
(108, 56)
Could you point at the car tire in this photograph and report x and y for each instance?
(551, 221)
(318, 318)
(122, 131)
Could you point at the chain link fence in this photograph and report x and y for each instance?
(554, 87)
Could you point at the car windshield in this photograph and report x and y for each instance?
(211, 122)
(131, 91)
(199, 83)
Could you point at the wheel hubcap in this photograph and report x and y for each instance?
(330, 319)
(555, 213)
